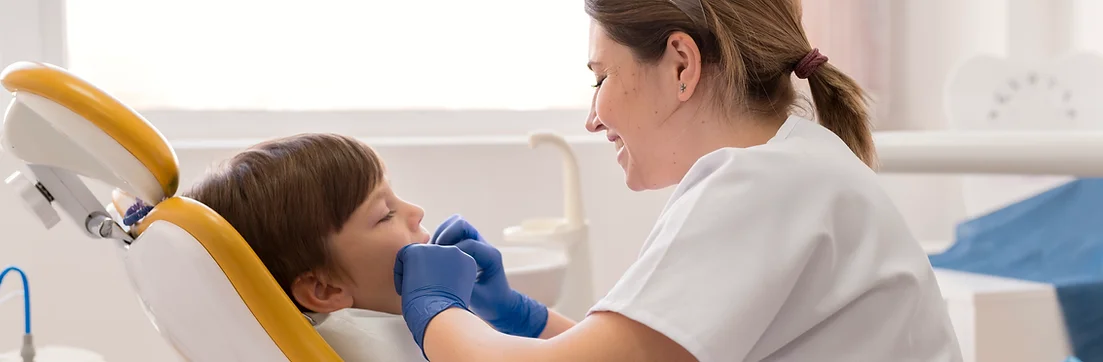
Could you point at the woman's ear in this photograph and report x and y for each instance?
(683, 53)
(320, 293)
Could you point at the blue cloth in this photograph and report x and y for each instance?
(1055, 237)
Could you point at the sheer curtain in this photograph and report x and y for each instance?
(854, 34)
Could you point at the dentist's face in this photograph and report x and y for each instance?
(632, 103)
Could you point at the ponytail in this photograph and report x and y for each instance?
(841, 107)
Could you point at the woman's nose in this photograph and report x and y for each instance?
(593, 124)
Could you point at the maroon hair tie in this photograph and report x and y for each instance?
(809, 64)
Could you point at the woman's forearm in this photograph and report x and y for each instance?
(557, 324)
(480, 342)
(457, 335)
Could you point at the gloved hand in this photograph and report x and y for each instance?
(454, 230)
(493, 300)
(431, 279)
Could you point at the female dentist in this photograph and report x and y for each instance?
(778, 243)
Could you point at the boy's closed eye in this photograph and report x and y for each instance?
(387, 217)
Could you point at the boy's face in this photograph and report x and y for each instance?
(364, 250)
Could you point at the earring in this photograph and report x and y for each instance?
(682, 88)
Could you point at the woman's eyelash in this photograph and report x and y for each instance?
(390, 215)
(602, 80)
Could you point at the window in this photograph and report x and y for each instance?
(257, 68)
(334, 54)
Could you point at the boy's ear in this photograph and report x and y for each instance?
(320, 293)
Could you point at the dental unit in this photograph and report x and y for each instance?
(567, 235)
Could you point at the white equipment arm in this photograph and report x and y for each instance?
(1071, 153)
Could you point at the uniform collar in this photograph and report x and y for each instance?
(787, 128)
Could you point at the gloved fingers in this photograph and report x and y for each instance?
(449, 229)
(487, 257)
(432, 278)
(419, 265)
(398, 268)
(444, 225)
(458, 230)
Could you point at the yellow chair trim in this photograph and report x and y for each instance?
(270, 305)
(120, 122)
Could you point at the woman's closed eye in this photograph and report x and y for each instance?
(599, 81)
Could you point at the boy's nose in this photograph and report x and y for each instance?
(417, 215)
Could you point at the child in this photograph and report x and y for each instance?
(319, 212)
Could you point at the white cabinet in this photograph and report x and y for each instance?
(1004, 320)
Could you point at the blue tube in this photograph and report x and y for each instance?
(26, 297)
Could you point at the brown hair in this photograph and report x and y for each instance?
(749, 49)
(287, 196)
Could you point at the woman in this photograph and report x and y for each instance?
(778, 243)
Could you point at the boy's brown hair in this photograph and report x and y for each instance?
(287, 196)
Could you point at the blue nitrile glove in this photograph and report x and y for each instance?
(430, 279)
(455, 229)
(493, 300)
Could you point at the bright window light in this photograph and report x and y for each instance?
(334, 54)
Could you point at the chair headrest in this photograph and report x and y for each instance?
(102, 110)
(54, 106)
(273, 309)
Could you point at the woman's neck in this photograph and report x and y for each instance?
(706, 133)
(714, 131)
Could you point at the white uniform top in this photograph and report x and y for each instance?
(788, 251)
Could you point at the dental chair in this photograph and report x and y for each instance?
(202, 286)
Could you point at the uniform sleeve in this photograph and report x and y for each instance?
(722, 260)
